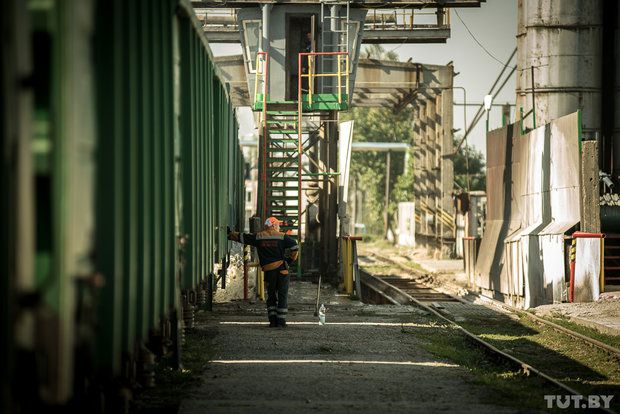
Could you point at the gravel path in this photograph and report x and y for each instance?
(359, 362)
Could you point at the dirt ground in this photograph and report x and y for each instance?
(360, 361)
(603, 315)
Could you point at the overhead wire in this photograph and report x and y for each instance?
(492, 90)
(477, 41)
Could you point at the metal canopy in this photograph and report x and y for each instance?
(378, 83)
(381, 25)
(354, 3)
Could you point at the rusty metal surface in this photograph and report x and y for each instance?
(378, 83)
(561, 40)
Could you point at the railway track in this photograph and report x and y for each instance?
(498, 305)
(413, 291)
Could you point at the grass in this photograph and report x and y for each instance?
(580, 366)
(503, 384)
(559, 319)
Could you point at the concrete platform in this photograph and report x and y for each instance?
(602, 315)
(361, 361)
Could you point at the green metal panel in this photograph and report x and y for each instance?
(130, 157)
(169, 234)
(166, 218)
(178, 187)
(217, 149)
(198, 110)
(200, 138)
(185, 127)
(145, 173)
(111, 45)
(158, 203)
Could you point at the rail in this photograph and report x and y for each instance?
(494, 303)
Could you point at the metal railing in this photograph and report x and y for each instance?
(262, 71)
(440, 215)
(341, 74)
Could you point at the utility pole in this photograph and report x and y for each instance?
(387, 194)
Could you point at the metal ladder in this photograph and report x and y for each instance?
(339, 36)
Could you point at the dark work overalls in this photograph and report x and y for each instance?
(271, 247)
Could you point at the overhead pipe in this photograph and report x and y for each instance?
(266, 9)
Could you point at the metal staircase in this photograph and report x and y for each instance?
(283, 169)
(287, 130)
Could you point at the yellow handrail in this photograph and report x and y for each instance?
(261, 72)
(338, 74)
(346, 87)
(339, 80)
(256, 78)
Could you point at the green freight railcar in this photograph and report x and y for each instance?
(118, 194)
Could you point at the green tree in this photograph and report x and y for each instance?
(369, 168)
(477, 167)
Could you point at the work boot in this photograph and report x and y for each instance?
(281, 323)
(273, 323)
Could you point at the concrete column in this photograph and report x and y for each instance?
(331, 226)
(386, 200)
(431, 139)
(444, 113)
(590, 208)
(328, 206)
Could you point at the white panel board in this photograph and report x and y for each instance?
(406, 224)
(587, 270)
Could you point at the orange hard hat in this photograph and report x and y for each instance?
(272, 221)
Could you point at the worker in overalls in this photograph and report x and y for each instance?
(276, 251)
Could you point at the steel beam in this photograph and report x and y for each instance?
(357, 4)
(423, 35)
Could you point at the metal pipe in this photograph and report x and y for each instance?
(334, 12)
(266, 11)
